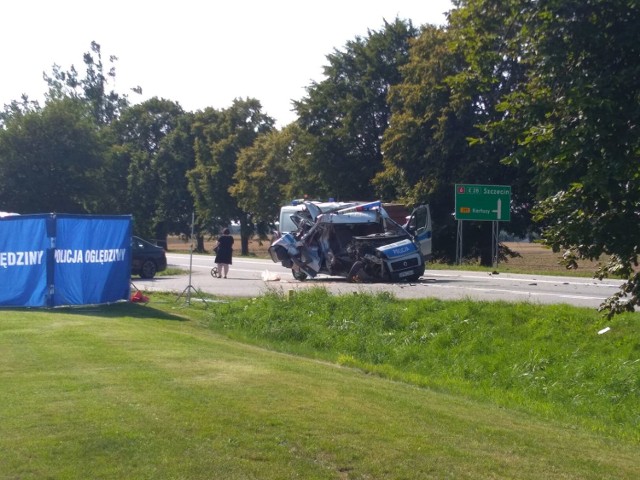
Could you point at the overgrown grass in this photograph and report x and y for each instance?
(546, 360)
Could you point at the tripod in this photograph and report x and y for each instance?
(190, 288)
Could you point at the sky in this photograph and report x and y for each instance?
(199, 53)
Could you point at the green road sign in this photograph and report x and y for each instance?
(483, 202)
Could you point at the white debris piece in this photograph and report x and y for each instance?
(268, 276)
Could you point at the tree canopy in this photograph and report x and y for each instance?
(576, 119)
(347, 113)
(49, 159)
(220, 136)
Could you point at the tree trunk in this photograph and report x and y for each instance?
(200, 244)
(245, 235)
(160, 235)
(486, 250)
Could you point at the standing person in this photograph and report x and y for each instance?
(224, 252)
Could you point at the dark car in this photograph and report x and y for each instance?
(146, 258)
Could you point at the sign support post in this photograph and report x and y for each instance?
(459, 244)
(482, 203)
(495, 250)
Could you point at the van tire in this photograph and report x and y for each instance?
(298, 275)
(356, 268)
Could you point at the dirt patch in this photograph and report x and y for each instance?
(536, 257)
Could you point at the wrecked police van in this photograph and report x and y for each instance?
(356, 240)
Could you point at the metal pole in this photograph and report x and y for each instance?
(495, 232)
(190, 287)
(459, 243)
(190, 259)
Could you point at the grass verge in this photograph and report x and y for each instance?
(132, 391)
(545, 360)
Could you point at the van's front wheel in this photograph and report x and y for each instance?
(299, 275)
(417, 275)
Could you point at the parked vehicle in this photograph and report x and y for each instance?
(359, 241)
(146, 258)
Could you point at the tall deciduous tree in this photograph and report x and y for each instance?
(18, 107)
(50, 159)
(94, 88)
(134, 170)
(176, 157)
(272, 173)
(347, 113)
(220, 137)
(262, 175)
(426, 147)
(452, 86)
(577, 120)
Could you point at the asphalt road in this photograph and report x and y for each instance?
(247, 278)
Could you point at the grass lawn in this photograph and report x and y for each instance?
(151, 392)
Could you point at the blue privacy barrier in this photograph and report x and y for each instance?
(49, 260)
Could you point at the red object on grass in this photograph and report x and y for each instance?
(138, 297)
